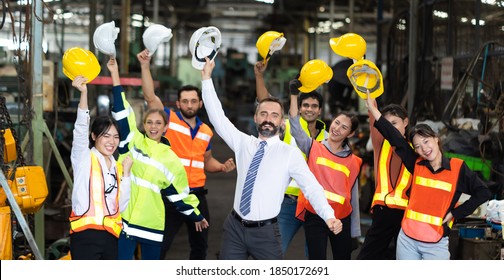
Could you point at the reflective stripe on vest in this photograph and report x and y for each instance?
(337, 175)
(293, 188)
(190, 151)
(430, 201)
(385, 193)
(95, 217)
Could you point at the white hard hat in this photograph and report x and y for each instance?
(104, 38)
(154, 35)
(205, 42)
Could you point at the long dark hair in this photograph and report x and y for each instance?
(353, 119)
(100, 126)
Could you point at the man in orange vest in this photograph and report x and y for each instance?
(190, 140)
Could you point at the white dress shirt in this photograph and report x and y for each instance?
(280, 163)
(81, 164)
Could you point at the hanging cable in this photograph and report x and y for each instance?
(4, 13)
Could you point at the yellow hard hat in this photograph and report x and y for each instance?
(270, 42)
(313, 74)
(78, 61)
(349, 45)
(364, 76)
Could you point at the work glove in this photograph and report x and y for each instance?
(294, 86)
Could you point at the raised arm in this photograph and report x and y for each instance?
(303, 141)
(222, 125)
(373, 107)
(153, 101)
(114, 71)
(261, 90)
(122, 111)
(80, 83)
(80, 142)
(389, 132)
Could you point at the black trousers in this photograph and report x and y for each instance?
(317, 233)
(384, 230)
(198, 241)
(93, 244)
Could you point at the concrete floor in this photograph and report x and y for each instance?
(220, 197)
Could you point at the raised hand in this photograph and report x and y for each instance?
(112, 65)
(144, 58)
(294, 86)
(127, 163)
(80, 83)
(260, 67)
(206, 73)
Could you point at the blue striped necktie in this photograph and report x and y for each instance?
(250, 180)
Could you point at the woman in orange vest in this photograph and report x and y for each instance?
(337, 169)
(101, 185)
(436, 187)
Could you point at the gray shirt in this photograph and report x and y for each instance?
(304, 143)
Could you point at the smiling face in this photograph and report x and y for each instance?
(107, 142)
(189, 103)
(341, 128)
(426, 143)
(155, 125)
(310, 109)
(268, 118)
(427, 147)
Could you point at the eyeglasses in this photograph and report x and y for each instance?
(112, 187)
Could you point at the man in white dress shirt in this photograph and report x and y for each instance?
(256, 234)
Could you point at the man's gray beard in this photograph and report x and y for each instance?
(267, 133)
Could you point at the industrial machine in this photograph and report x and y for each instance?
(23, 192)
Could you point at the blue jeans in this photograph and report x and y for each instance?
(410, 249)
(288, 223)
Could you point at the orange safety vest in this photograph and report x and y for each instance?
(337, 176)
(190, 151)
(385, 193)
(95, 217)
(430, 200)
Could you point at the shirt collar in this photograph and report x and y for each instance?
(270, 141)
(346, 151)
(101, 158)
(445, 164)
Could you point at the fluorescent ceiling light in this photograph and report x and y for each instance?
(234, 13)
(266, 1)
(440, 14)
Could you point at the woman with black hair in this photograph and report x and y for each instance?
(437, 185)
(101, 185)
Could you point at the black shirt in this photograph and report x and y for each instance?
(468, 182)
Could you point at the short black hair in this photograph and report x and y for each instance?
(313, 94)
(189, 88)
